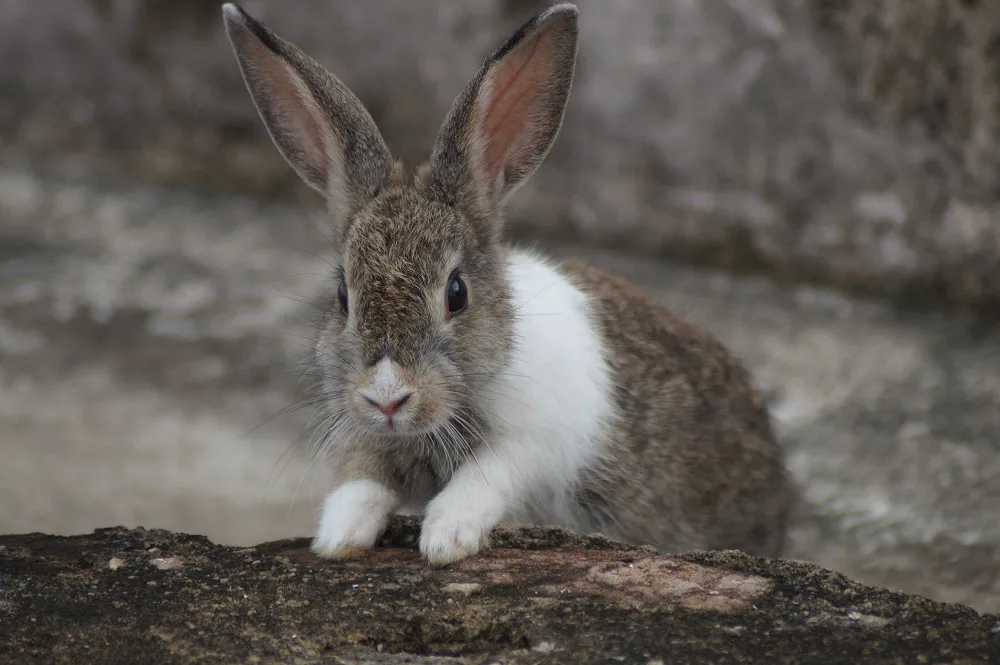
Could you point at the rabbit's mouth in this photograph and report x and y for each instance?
(410, 418)
(420, 423)
(394, 401)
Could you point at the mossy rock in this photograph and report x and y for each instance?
(538, 596)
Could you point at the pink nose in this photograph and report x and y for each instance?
(391, 407)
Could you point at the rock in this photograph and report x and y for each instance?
(546, 596)
(168, 563)
(854, 143)
(150, 338)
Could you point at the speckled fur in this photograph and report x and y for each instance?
(692, 462)
(644, 429)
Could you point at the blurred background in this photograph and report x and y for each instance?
(817, 182)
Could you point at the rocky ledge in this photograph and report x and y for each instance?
(539, 596)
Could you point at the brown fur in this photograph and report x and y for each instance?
(690, 462)
(693, 462)
(402, 248)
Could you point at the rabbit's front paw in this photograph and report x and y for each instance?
(455, 529)
(446, 540)
(354, 516)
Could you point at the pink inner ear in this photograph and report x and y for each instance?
(297, 115)
(513, 103)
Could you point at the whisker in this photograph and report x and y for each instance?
(555, 283)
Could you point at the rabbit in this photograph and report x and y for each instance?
(478, 383)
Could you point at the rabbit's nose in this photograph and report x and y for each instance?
(390, 406)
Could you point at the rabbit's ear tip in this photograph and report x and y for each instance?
(233, 14)
(238, 24)
(565, 9)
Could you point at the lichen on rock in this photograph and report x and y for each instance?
(539, 595)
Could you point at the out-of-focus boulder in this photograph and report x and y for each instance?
(852, 142)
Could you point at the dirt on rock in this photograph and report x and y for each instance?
(539, 596)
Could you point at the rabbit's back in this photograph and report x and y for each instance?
(691, 460)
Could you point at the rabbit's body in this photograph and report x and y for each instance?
(610, 434)
(478, 383)
(692, 462)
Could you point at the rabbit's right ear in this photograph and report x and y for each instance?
(502, 125)
(319, 126)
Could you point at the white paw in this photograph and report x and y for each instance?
(453, 530)
(444, 541)
(354, 516)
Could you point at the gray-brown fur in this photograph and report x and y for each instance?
(689, 462)
(450, 178)
(349, 173)
(398, 248)
(693, 461)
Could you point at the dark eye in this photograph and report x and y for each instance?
(457, 294)
(342, 295)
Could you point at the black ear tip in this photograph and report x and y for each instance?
(237, 17)
(237, 20)
(565, 12)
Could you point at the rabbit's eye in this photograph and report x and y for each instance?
(457, 294)
(342, 296)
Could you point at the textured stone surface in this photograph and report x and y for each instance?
(544, 596)
(149, 335)
(854, 142)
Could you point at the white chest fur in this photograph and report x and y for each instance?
(548, 411)
(550, 407)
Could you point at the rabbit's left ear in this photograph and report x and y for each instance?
(502, 125)
(317, 123)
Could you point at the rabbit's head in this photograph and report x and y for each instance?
(420, 320)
